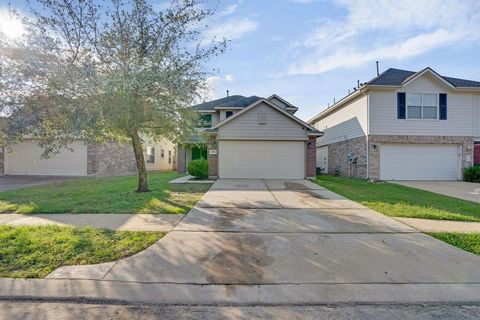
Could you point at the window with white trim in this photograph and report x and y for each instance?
(150, 158)
(422, 106)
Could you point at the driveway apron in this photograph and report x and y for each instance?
(284, 232)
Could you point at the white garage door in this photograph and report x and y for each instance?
(262, 159)
(25, 159)
(419, 162)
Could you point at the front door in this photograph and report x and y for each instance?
(199, 153)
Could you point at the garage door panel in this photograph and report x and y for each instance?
(262, 159)
(25, 159)
(419, 162)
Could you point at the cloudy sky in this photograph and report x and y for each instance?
(312, 51)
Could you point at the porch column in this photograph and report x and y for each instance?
(181, 159)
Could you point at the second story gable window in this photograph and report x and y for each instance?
(228, 114)
(422, 106)
(205, 121)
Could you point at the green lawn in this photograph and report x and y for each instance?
(466, 241)
(35, 251)
(105, 195)
(400, 201)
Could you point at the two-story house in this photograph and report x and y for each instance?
(402, 125)
(251, 137)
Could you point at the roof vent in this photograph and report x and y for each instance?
(262, 118)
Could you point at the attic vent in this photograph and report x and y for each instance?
(262, 118)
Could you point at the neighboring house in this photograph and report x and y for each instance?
(103, 159)
(402, 125)
(252, 137)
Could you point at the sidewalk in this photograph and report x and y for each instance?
(429, 225)
(114, 221)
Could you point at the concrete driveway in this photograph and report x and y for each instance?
(18, 182)
(458, 189)
(289, 241)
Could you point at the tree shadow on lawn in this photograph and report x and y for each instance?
(104, 195)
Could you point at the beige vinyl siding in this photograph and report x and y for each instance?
(25, 158)
(477, 115)
(322, 158)
(246, 126)
(347, 122)
(215, 118)
(383, 111)
(161, 164)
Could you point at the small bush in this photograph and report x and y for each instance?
(198, 169)
(472, 174)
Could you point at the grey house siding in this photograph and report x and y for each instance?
(110, 159)
(276, 127)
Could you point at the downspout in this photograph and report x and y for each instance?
(367, 136)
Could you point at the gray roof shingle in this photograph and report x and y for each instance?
(236, 101)
(396, 77)
(391, 77)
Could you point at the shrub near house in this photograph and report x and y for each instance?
(472, 174)
(198, 169)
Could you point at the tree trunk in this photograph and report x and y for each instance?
(141, 168)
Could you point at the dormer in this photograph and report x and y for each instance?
(282, 103)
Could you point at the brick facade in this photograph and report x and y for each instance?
(375, 140)
(110, 159)
(338, 158)
(311, 157)
(212, 144)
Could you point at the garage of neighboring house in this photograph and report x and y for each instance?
(420, 162)
(25, 158)
(262, 141)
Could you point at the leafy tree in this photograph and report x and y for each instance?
(105, 70)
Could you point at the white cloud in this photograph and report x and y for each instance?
(230, 78)
(232, 29)
(374, 29)
(228, 10)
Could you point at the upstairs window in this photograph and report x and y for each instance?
(205, 121)
(422, 106)
(228, 114)
(169, 156)
(150, 155)
(162, 153)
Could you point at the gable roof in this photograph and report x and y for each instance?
(310, 128)
(288, 104)
(236, 101)
(397, 77)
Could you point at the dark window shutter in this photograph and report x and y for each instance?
(401, 105)
(443, 106)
